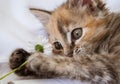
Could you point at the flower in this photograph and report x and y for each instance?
(42, 41)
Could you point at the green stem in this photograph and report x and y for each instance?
(12, 71)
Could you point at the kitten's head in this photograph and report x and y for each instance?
(75, 26)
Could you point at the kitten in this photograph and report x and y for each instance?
(86, 43)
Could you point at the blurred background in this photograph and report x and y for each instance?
(19, 28)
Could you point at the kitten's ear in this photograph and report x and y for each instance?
(93, 6)
(42, 15)
(81, 3)
(74, 3)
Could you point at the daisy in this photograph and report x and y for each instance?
(41, 40)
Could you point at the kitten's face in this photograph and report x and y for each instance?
(73, 30)
(71, 33)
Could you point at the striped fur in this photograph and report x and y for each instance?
(93, 58)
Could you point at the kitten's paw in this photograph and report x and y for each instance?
(18, 57)
(39, 62)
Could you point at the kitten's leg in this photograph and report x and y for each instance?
(96, 71)
(18, 57)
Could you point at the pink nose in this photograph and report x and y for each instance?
(70, 54)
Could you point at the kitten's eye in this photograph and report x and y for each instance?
(58, 45)
(76, 33)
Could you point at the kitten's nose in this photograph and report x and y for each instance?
(69, 54)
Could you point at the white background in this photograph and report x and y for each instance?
(18, 27)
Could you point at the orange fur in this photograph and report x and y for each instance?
(86, 44)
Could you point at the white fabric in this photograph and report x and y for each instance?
(48, 81)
